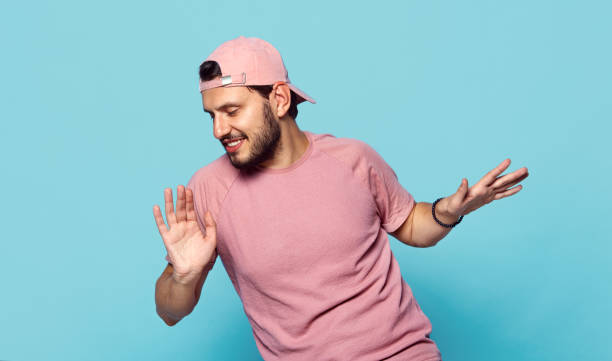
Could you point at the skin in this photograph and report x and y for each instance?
(273, 139)
(420, 229)
(489, 188)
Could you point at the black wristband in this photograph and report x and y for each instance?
(433, 213)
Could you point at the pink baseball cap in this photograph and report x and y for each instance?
(250, 61)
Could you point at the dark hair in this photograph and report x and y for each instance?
(210, 69)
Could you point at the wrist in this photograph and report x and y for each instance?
(184, 280)
(442, 213)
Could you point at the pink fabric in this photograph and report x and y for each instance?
(307, 251)
(250, 61)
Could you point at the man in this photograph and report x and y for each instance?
(300, 222)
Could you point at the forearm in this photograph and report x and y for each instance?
(426, 232)
(174, 298)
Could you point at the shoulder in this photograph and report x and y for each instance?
(353, 152)
(214, 179)
(329, 141)
(219, 170)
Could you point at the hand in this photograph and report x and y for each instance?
(489, 188)
(188, 248)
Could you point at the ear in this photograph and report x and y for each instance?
(280, 99)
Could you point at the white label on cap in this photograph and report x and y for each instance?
(226, 80)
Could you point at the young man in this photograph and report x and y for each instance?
(300, 222)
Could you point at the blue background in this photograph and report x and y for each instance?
(100, 112)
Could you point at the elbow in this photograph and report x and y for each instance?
(415, 242)
(168, 320)
(422, 244)
(419, 245)
(430, 243)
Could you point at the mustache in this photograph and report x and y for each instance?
(230, 138)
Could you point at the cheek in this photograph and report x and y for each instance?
(249, 121)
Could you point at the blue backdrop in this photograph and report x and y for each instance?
(100, 112)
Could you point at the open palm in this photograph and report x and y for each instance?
(489, 188)
(188, 248)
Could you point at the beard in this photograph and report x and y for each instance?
(263, 144)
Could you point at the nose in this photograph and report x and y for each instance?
(220, 127)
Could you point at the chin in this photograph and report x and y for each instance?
(240, 164)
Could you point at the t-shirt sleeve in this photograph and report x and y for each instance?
(393, 202)
(200, 207)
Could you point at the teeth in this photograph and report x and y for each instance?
(234, 143)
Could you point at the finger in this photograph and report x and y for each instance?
(159, 220)
(461, 191)
(190, 211)
(170, 218)
(507, 185)
(180, 204)
(210, 224)
(509, 192)
(492, 174)
(510, 179)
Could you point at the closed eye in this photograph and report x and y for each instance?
(232, 113)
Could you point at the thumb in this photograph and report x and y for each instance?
(463, 187)
(209, 222)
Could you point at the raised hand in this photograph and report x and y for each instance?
(488, 188)
(188, 248)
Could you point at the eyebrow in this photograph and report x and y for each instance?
(226, 105)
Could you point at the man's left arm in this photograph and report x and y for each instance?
(421, 230)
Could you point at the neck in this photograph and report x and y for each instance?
(291, 146)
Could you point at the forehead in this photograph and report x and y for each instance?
(215, 98)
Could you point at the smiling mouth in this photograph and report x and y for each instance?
(233, 145)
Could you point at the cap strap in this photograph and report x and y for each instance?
(224, 80)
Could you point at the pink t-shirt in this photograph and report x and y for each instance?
(307, 251)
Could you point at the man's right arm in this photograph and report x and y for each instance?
(175, 297)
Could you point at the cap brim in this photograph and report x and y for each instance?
(303, 95)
